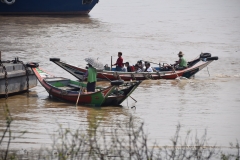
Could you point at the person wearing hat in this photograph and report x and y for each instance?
(181, 63)
(91, 75)
(119, 63)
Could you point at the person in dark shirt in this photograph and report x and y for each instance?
(129, 68)
(119, 63)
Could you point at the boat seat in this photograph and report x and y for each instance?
(74, 85)
(66, 88)
(56, 79)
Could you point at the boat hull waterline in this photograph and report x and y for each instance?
(44, 7)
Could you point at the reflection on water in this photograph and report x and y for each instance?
(210, 102)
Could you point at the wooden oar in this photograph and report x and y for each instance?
(78, 94)
(133, 99)
(178, 78)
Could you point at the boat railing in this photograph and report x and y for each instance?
(125, 73)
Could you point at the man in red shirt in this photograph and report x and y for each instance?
(119, 63)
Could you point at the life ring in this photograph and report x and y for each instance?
(9, 2)
(205, 55)
(32, 64)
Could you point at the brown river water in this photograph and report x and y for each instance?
(153, 30)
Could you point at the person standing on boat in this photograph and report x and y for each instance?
(119, 63)
(181, 63)
(148, 68)
(91, 75)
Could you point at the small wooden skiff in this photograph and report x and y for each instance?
(68, 90)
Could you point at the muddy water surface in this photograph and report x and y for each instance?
(153, 30)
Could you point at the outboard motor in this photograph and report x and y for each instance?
(207, 57)
(204, 56)
(212, 58)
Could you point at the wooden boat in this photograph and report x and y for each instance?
(161, 72)
(68, 90)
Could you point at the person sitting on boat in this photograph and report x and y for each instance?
(141, 66)
(124, 68)
(91, 75)
(181, 63)
(119, 62)
(137, 68)
(128, 67)
(148, 68)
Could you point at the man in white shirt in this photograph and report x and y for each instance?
(137, 68)
(141, 66)
(148, 68)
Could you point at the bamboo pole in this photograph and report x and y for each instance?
(111, 63)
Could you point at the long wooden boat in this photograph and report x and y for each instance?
(68, 90)
(194, 66)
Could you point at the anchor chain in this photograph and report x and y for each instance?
(27, 74)
(6, 80)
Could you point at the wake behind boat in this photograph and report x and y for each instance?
(161, 72)
(68, 90)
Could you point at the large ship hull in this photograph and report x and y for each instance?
(41, 7)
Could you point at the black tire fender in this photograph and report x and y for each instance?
(32, 64)
(212, 58)
(9, 2)
(54, 59)
(117, 82)
(205, 55)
